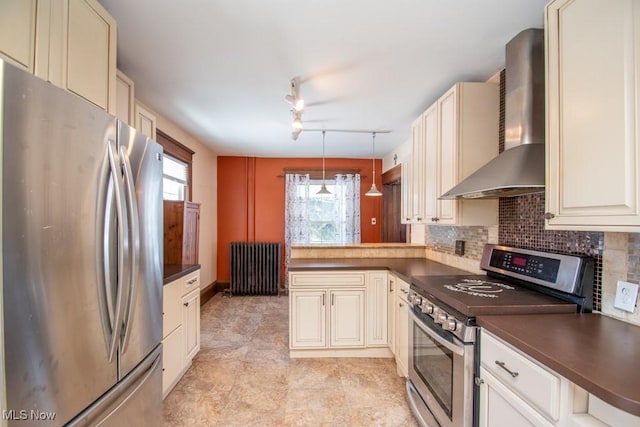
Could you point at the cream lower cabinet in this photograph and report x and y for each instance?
(402, 328)
(592, 116)
(180, 328)
(391, 312)
(336, 313)
(516, 390)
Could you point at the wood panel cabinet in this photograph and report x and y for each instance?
(347, 318)
(307, 319)
(391, 312)
(180, 328)
(181, 232)
(70, 43)
(418, 170)
(593, 72)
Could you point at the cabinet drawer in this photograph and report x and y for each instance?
(327, 279)
(191, 281)
(535, 384)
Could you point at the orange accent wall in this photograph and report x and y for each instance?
(251, 200)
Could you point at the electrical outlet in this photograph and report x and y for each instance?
(459, 247)
(373, 221)
(626, 296)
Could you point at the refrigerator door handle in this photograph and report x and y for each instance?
(104, 224)
(134, 245)
(123, 246)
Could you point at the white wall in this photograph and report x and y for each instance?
(205, 192)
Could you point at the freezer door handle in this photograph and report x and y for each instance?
(134, 245)
(120, 395)
(123, 246)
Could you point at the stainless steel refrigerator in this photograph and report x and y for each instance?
(82, 261)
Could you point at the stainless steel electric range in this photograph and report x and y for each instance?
(442, 334)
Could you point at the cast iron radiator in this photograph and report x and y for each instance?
(255, 268)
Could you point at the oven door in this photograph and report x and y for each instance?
(441, 371)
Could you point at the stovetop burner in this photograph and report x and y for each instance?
(479, 287)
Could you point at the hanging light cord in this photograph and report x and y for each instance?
(373, 157)
(323, 133)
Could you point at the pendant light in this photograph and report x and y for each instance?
(323, 189)
(373, 191)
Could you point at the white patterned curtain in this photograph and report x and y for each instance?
(296, 215)
(347, 214)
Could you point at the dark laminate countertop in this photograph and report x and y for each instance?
(403, 267)
(596, 352)
(175, 271)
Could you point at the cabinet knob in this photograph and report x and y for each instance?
(419, 219)
(401, 305)
(186, 304)
(549, 215)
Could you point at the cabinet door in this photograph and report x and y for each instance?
(347, 318)
(500, 407)
(391, 313)
(405, 209)
(448, 155)
(592, 133)
(431, 163)
(145, 121)
(191, 323)
(308, 319)
(417, 171)
(172, 359)
(402, 336)
(91, 53)
(124, 98)
(171, 306)
(18, 32)
(377, 309)
(191, 233)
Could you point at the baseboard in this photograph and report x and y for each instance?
(207, 293)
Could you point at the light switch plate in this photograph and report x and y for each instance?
(626, 296)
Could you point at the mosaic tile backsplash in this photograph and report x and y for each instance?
(521, 224)
(633, 268)
(442, 239)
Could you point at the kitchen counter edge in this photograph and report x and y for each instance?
(173, 272)
(594, 351)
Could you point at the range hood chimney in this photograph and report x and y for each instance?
(519, 169)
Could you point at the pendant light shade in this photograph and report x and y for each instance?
(323, 189)
(373, 191)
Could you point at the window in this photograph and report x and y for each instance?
(174, 178)
(323, 218)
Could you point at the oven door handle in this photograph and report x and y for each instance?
(457, 349)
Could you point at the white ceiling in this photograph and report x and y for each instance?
(221, 68)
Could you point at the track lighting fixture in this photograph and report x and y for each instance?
(297, 120)
(373, 191)
(294, 98)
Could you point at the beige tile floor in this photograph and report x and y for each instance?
(243, 376)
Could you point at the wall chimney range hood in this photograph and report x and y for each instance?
(519, 169)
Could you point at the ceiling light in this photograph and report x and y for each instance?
(297, 121)
(295, 134)
(294, 98)
(373, 191)
(323, 189)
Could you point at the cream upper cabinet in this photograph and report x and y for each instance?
(592, 57)
(91, 53)
(125, 94)
(145, 121)
(406, 194)
(461, 136)
(417, 171)
(70, 43)
(18, 32)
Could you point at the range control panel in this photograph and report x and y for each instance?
(538, 267)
